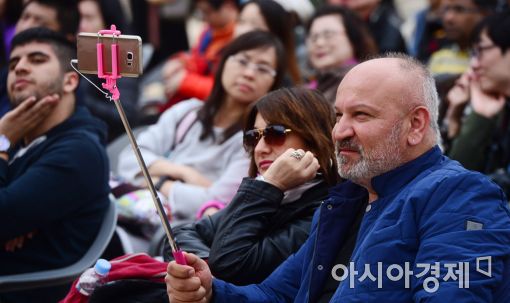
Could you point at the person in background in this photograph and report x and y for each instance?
(483, 139)
(402, 224)
(269, 15)
(459, 18)
(186, 75)
(429, 35)
(207, 162)
(337, 40)
(97, 15)
(383, 21)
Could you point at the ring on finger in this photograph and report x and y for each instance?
(297, 154)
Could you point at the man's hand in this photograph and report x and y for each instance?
(484, 104)
(287, 172)
(26, 117)
(189, 283)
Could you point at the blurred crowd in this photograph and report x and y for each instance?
(207, 62)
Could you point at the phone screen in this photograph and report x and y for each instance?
(129, 57)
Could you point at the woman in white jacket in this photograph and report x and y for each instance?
(195, 151)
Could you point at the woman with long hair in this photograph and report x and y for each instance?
(207, 162)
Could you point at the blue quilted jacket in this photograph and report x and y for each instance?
(437, 233)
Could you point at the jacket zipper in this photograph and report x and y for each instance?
(313, 253)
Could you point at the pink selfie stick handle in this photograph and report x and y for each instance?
(179, 257)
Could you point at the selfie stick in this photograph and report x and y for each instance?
(111, 86)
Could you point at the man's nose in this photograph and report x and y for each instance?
(21, 65)
(342, 130)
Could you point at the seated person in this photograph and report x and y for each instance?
(263, 225)
(383, 20)
(269, 15)
(208, 162)
(483, 140)
(337, 39)
(409, 225)
(53, 165)
(187, 75)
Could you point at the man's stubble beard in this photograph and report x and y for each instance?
(56, 87)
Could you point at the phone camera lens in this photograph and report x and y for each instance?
(130, 56)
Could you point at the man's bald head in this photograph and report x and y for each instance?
(386, 116)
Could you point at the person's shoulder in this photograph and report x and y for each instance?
(450, 186)
(182, 108)
(452, 174)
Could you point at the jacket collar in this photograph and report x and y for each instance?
(392, 181)
(389, 182)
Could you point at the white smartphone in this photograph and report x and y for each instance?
(130, 54)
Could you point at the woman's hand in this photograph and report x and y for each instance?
(178, 172)
(287, 172)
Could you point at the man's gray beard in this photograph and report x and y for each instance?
(384, 158)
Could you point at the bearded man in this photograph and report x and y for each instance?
(409, 224)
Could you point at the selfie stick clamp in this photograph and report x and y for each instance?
(111, 86)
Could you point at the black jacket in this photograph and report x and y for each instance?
(248, 239)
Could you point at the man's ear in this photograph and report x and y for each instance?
(70, 82)
(419, 119)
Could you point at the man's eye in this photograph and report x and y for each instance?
(38, 59)
(361, 115)
(12, 65)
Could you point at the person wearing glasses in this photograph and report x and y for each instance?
(483, 143)
(292, 164)
(459, 18)
(337, 40)
(205, 160)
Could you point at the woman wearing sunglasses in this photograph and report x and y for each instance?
(205, 160)
(292, 166)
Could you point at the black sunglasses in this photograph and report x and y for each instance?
(273, 135)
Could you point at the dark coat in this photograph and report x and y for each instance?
(248, 239)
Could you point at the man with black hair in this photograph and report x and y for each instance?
(484, 140)
(459, 18)
(60, 16)
(53, 165)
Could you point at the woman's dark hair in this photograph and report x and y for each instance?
(280, 23)
(497, 27)
(309, 115)
(362, 41)
(111, 12)
(245, 42)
